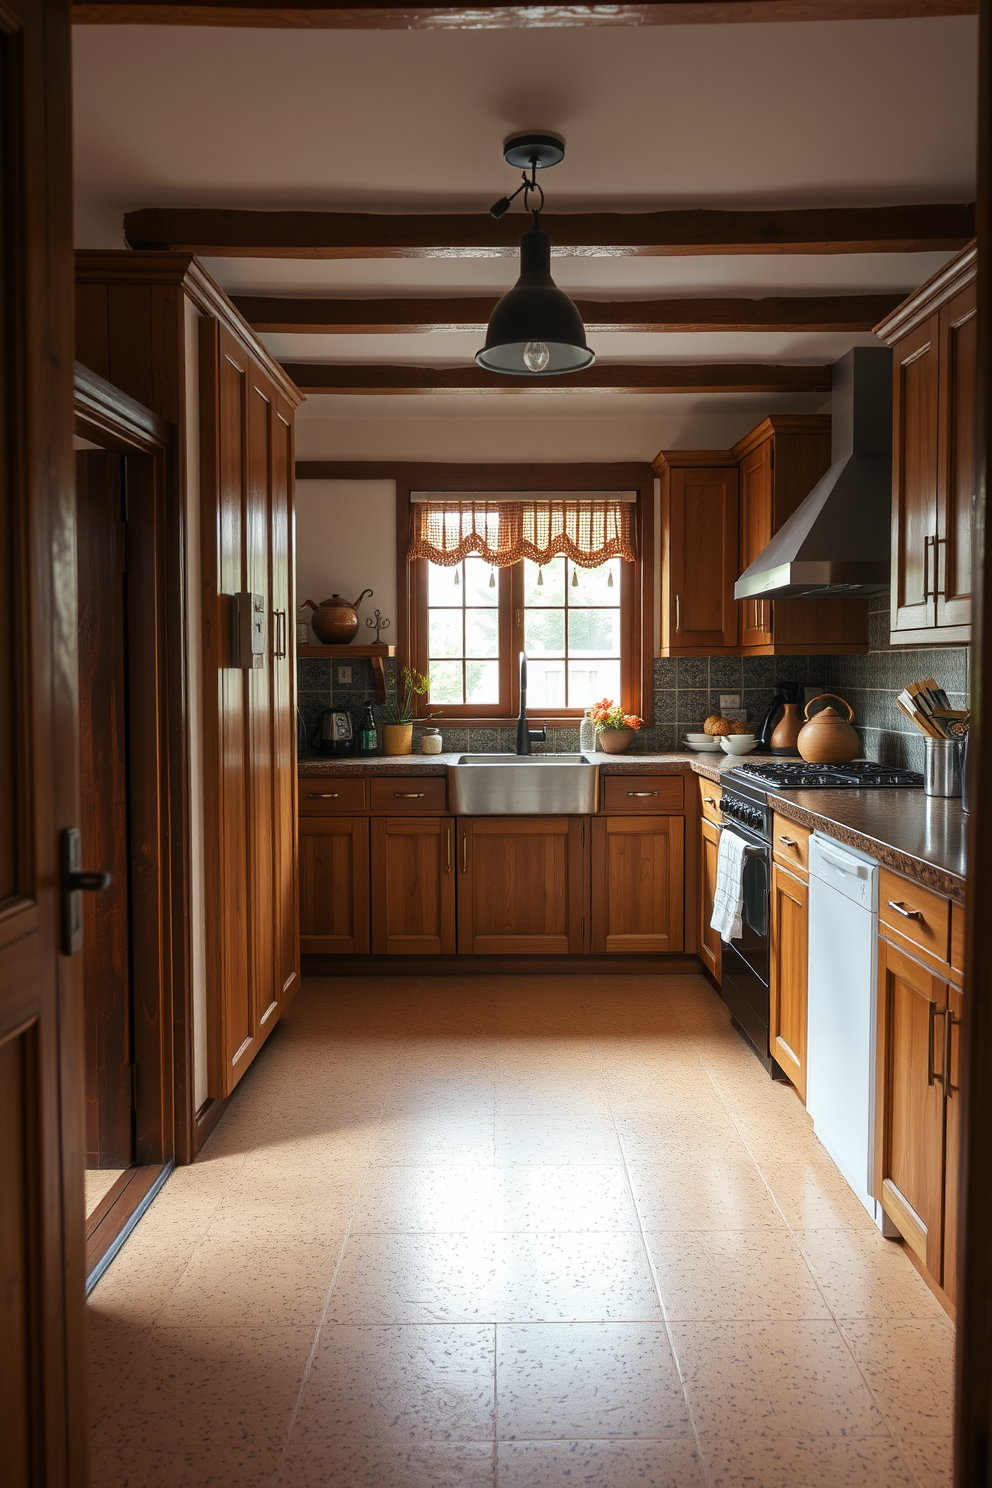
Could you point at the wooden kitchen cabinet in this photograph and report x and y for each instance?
(719, 509)
(521, 885)
(788, 979)
(910, 1101)
(413, 885)
(637, 884)
(933, 336)
(710, 946)
(699, 506)
(334, 884)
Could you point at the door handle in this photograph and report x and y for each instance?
(75, 881)
(899, 907)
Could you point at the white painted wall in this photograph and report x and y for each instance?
(346, 542)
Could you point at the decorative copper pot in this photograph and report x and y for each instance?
(335, 621)
(826, 738)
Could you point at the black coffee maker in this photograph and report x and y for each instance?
(785, 692)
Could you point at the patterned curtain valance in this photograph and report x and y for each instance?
(503, 532)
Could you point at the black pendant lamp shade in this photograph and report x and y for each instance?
(535, 329)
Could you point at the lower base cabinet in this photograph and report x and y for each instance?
(413, 886)
(334, 884)
(709, 943)
(637, 884)
(521, 885)
(911, 1102)
(788, 980)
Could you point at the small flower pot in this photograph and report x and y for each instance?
(615, 741)
(396, 738)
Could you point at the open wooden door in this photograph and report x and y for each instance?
(42, 1421)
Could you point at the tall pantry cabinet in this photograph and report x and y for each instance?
(156, 326)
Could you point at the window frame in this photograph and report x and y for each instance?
(636, 585)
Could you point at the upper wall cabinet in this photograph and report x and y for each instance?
(156, 326)
(719, 509)
(933, 339)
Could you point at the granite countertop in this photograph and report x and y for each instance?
(922, 836)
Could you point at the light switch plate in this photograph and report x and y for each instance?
(344, 674)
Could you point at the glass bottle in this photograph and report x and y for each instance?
(368, 734)
(587, 733)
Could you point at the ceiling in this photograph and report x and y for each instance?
(759, 116)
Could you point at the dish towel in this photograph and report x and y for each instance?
(728, 897)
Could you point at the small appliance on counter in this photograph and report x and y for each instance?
(335, 733)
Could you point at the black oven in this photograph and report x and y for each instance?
(744, 982)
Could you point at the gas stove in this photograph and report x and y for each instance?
(798, 775)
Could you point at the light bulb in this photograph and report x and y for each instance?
(536, 356)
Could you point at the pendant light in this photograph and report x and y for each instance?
(535, 330)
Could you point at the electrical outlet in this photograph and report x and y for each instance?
(344, 674)
(730, 700)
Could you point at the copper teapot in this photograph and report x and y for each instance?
(335, 621)
(826, 738)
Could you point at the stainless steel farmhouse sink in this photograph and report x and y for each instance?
(527, 785)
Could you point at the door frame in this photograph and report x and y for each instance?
(161, 981)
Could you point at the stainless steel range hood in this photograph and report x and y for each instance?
(838, 542)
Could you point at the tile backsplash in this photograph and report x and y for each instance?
(687, 688)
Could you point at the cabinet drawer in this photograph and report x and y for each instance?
(710, 796)
(917, 914)
(398, 794)
(328, 795)
(641, 794)
(790, 844)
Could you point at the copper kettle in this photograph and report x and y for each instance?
(826, 738)
(335, 621)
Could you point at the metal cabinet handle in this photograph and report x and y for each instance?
(789, 841)
(464, 852)
(642, 793)
(322, 795)
(408, 795)
(907, 914)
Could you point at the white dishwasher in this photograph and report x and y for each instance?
(840, 1044)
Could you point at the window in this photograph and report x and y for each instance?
(469, 617)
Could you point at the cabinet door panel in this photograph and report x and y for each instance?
(956, 486)
(787, 1018)
(637, 884)
(413, 886)
(710, 944)
(521, 885)
(334, 884)
(909, 1101)
(701, 612)
(756, 532)
(914, 476)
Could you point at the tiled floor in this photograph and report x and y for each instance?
(525, 1232)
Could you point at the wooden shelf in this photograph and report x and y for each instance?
(376, 654)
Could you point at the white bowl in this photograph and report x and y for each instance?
(738, 743)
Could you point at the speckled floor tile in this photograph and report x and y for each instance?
(812, 1194)
(435, 1278)
(439, 1197)
(703, 1195)
(861, 1274)
(400, 1384)
(587, 1380)
(310, 1463)
(599, 1464)
(819, 1462)
(910, 1368)
(796, 1378)
(733, 1275)
(575, 1196)
(536, 1139)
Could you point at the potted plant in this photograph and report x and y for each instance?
(397, 718)
(614, 728)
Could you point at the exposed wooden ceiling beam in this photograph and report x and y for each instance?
(604, 377)
(456, 15)
(228, 233)
(399, 316)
